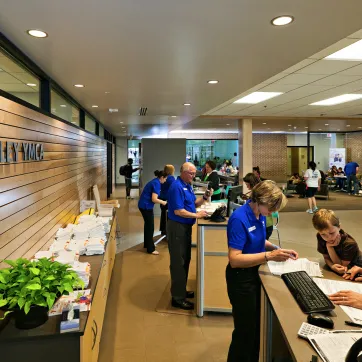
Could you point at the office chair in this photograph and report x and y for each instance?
(275, 215)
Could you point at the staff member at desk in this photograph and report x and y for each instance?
(212, 178)
(182, 215)
(147, 201)
(248, 249)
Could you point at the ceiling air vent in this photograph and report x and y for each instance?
(143, 111)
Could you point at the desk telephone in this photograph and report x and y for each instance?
(218, 215)
(353, 354)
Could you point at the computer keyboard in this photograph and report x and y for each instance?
(306, 293)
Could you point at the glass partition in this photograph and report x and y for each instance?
(18, 81)
(101, 131)
(219, 151)
(134, 153)
(90, 124)
(63, 108)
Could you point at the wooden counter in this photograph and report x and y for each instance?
(46, 343)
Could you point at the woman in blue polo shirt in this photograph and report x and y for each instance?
(147, 201)
(169, 171)
(248, 249)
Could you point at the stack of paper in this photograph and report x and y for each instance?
(81, 232)
(83, 270)
(95, 246)
(329, 287)
(81, 297)
(87, 218)
(302, 264)
(78, 246)
(96, 230)
(58, 246)
(106, 221)
(43, 254)
(66, 257)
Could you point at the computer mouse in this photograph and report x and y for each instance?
(320, 320)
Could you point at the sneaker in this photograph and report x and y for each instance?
(315, 209)
(310, 211)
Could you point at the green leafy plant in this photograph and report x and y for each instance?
(35, 283)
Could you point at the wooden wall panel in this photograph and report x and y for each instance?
(38, 197)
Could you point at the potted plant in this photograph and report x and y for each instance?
(30, 288)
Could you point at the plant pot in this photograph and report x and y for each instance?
(35, 318)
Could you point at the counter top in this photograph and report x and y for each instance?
(203, 222)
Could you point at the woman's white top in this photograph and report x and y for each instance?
(313, 176)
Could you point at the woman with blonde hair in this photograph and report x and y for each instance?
(248, 249)
(169, 170)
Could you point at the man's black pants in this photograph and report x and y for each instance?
(243, 287)
(148, 230)
(179, 246)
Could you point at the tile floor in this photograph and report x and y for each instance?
(134, 332)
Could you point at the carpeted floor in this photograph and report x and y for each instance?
(337, 201)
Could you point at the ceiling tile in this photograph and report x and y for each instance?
(300, 79)
(357, 70)
(337, 79)
(299, 66)
(356, 35)
(327, 67)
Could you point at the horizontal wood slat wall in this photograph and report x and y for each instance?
(38, 197)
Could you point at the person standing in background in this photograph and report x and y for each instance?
(147, 201)
(351, 170)
(128, 171)
(313, 179)
(182, 204)
(213, 179)
(234, 160)
(169, 170)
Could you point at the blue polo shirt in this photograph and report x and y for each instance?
(350, 168)
(181, 196)
(245, 232)
(152, 187)
(166, 186)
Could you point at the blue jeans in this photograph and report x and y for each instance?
(350, 179)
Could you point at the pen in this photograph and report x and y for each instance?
(352, 324)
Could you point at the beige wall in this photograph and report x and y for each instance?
(353, 144)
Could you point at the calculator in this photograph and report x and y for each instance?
(307, 329)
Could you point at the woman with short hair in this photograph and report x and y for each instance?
(213, 179)
(248, 249)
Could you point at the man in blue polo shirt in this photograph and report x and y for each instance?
(182, 204)
(351, 170)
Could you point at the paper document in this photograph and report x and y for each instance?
(333, 347)
(82, 297)
(329, 287)
(310, 267)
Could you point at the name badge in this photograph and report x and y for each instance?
(251, 229)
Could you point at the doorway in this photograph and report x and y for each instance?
(298, 159)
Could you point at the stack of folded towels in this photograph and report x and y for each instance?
(95, 246)
(83, 270)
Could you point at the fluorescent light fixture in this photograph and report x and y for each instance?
(212, 81)
(352, 53)
(113, 110)
(37, 33)
(173, 116)
(257, 97)
(282, 20)
(31, 84)
(79, 85)
(187, 104)
(63, 105)
(344, 98)
(94, 106)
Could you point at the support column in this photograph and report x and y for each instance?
(245, 127)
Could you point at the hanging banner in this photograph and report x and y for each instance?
(337, 157)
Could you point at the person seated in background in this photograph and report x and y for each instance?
(295, 179)
(339, 249)
(256, 172)
(340, 180)
(348, 297)
(333, 171)
(211, 176)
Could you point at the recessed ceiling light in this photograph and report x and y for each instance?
(31, 84)
(264, 123)
(289, 125)
(228, 124)
(187, 104)
(326, 124)
(124, 127)
(63, 105)
(212, 81)
(359, 127)
(337, 100)
(319, 129)
(352, 52)
(94, 106)
(338, 129)
(37, 33)
(305, 127)
(348, 125)
(79, 85)
(173, 116)
(282, 20)
(120, 122)
(107, 92)
(257, 97)
(113, 110)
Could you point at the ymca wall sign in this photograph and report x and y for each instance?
(29, 151)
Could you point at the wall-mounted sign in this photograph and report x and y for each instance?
(30, 151)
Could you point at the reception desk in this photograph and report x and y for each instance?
(46, 343)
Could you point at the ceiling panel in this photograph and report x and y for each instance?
(337, 80)
(16, 88)
(301, 79)
(327, 67)
(299, 66)
(357, 70)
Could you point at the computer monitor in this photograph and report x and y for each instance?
(233, 194)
